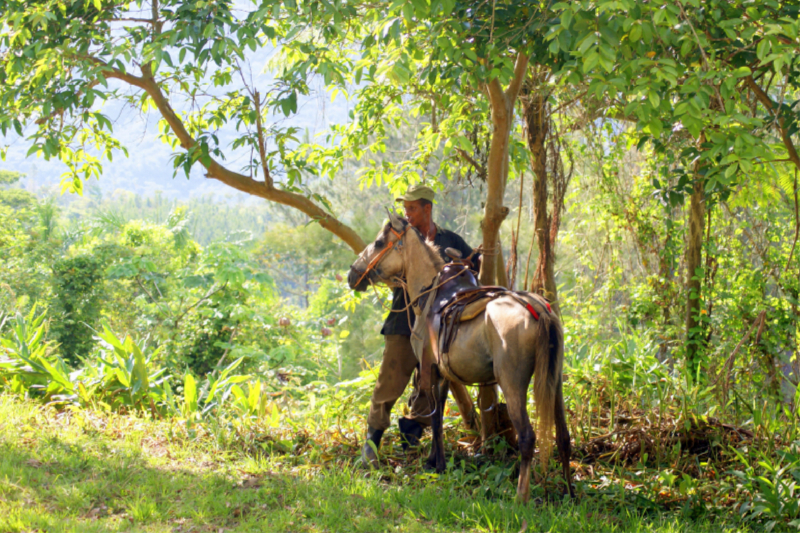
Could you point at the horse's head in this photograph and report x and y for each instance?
(381, 261)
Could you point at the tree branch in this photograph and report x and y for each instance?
(262, 144)
(771, 106)
(211, 292)
(471, 161)
(796, 226)
(497, 98)
(520, 71)
(240, 182)
(155, 21)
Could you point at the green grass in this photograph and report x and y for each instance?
(88, 471)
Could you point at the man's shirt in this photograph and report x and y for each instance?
(397, 323)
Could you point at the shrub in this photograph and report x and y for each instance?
(78, 289)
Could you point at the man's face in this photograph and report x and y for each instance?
(418, 215)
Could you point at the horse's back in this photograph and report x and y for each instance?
(501, 337)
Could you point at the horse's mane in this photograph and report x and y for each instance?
(428, 245)
(430, 248)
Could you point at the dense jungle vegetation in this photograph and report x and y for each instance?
(200, 364)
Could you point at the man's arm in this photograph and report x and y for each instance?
(466, 251)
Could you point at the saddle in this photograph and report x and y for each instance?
(457, 299)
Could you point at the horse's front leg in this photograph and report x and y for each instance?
(441, 462)
(436, 459)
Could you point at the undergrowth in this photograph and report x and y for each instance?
(80, 469)
(113, 447)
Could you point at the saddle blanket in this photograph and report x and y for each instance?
(472, 310)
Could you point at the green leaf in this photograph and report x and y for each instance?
(742, 72)
(590, 61)
(566, 19)
(636, 33)
(239, 393)
(189, 395)
(655, 99)
(140, 368)
(263, 278)
(656, 127)
(401, 73)
(763, 48)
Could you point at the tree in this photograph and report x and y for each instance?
(542, 97)
(456, 65)
(13, 197)
(78, 288)
(685, 72)
(62, 60)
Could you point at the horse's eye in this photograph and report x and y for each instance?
(379, 243)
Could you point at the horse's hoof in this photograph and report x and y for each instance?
(410, 433)
(429, 465)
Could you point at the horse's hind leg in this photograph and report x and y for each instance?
(436, 460)
(518, 412)
(562, 438)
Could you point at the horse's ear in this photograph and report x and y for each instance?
(397, 224)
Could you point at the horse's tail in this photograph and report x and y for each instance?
(549, 353)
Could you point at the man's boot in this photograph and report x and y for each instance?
(368, 455)
(410, 432)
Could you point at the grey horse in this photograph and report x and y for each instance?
(504, 344)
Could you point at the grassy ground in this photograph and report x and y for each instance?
(88, 471)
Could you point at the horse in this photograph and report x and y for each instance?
(505, 344)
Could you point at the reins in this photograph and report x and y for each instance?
(377, 258)
(433, 287)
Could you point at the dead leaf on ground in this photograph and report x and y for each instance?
(34, 463)
(524, 526)
(98, 512)
(250, 483)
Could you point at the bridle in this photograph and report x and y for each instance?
(377, 259)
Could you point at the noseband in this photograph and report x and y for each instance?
(377, 259)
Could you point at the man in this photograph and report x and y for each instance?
(399, 361)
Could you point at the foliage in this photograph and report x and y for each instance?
(197, 49)
(121, 378)
(247, 340)
(29, 368)
(78, 288)
(774, 490)
(206, 218)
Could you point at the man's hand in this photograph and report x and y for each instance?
(473, 262)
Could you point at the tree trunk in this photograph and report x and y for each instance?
(501, 274)
(502, 104)
(694, 278)
(537, 129)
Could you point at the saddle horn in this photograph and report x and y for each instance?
(453, 254)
